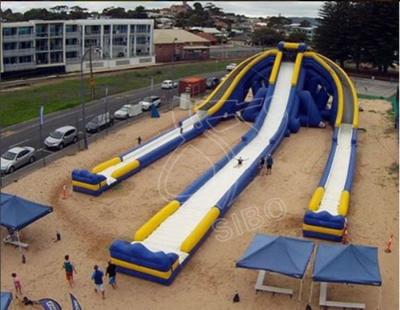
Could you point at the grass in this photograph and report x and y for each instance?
(22, 105)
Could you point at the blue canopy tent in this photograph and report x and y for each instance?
(5, 301)
(283, 255)
(347, 264)
(17, 213)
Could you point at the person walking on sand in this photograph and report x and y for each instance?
(139, 140)
(270, 162)
(111, 272)
(69, 270)
(17, 283)
(181, 129)
(97, 277)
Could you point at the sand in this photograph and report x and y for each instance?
(271, 204)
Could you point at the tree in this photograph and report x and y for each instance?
(115, 12)
(76, 12)
(266, 37)
(139, 12)
(37, 14)
(297, 36)
(305, 23)
(278, 22)
(333, 35)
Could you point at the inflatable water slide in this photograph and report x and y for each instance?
(302, 89)
(221, 104)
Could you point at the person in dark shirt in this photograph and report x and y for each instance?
(112, 273)
(269, 163)
(261, 166)
(97, 277)
(240, 161)
(139, 140)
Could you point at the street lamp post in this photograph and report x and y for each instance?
(85, 141)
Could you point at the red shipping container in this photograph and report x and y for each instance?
(195, 84)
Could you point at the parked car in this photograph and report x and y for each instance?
(169, 84)
(16, 157)
(128, 110)
(99, 122)
(212, 82)
(61, 137)
(148, 101)
(231, 66)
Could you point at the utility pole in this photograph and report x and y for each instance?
(92, 81)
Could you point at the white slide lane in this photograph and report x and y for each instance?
(187, 125)
(338, 173)
(169, 236)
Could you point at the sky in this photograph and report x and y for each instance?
(248, 8)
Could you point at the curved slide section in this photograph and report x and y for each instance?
(164, 244)
(329, 205)
(224, 100)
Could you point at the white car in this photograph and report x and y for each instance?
(169, 84)
(128, 110)
(61, 137)
(147, 102)
(16, 157)
(231, 66)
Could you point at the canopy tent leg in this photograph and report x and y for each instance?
(20, 248)
(300, 290)
(272, 289)
(323, 301)
(236, 297)
(379, 298)
(311, 292)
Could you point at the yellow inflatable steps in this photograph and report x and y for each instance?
(106, 164)
(125, 169)
(316, 199)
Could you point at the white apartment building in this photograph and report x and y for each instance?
(46, 45)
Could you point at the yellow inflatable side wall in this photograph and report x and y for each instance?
(297, 67)
(291, 45)
(106, 164)
(323, 230)
(237, 79)
(152, 272)
(275, 68)
(125, 169)
(147, 228)
(344, 203)
(316, 199)
(200, 230)
(339, 86)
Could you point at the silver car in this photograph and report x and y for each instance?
(61, 137)
(16, 157)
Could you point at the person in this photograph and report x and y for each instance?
(240, 161)
(69, 270)
(17, 283)
(262, 165)
(97, 278)
(139, 140)
(111, 272)
(308, 307)
(181, 129)
(28, 302)
(269, 163)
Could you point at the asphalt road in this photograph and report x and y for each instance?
(28, 133)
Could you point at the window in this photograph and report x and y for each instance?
(25, 59)
(10, 60)
(25, 44)
(73, 41)
(56, 44)
(142, 39)
(56, 57)
(132, 28)
(42, 45)
(9, 31)
(25, 30)
(95, 29)
(9, 46)
(41, 30)
(71, 54)
(117, 29)
(142, 28)
(106, 29)
(56, 29)
(71, 28)
(22, 153)
(42, 58)
(120, 41)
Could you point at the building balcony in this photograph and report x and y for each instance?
(72, 47)
(19, 66)
(56, 34)
(19, 52)
(18, 37)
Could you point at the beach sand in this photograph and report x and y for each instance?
(272, 204)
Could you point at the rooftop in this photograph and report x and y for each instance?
(168, 36)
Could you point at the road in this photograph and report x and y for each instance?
(28, 133)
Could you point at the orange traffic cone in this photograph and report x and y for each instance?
(64, 192)
(345, 237)
(389, 245)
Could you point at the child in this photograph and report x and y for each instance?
(17, 283)
(262, 165)
(139, 140)
(112, 274)
(269, 163)
(240, 161)
(97, 277)
(69, 270)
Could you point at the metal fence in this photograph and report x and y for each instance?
(233, 52)
(74, 149)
